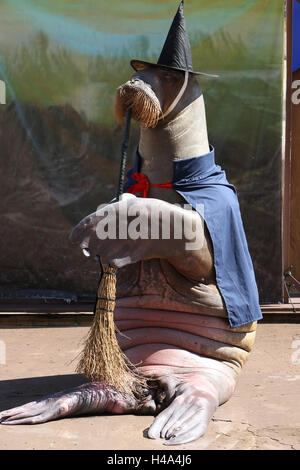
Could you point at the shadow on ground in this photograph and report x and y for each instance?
(19, 391)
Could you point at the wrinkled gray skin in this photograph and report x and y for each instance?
(168, 304)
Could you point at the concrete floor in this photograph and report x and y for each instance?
(263, 414)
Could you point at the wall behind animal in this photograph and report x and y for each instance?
(61, 62)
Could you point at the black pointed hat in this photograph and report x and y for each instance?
(176, 52)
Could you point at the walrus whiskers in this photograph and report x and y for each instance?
(144, 104)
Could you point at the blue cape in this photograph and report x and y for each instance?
(200, 181)
(296, 36)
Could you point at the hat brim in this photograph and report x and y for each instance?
(141, 65)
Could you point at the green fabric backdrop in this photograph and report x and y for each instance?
(62, 60)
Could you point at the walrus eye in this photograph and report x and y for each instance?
(169, 76)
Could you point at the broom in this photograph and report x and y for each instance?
(102, 359)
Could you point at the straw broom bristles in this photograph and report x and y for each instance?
(102, 358)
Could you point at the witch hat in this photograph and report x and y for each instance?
(176, 53)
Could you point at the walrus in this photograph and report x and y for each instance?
(173, 321)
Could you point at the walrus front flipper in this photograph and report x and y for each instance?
(154, 224)
(193, 404)
(88, 398)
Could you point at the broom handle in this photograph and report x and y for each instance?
(122, 168)
(124, 154)
(122, 165)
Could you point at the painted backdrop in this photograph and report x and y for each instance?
(61, 62)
